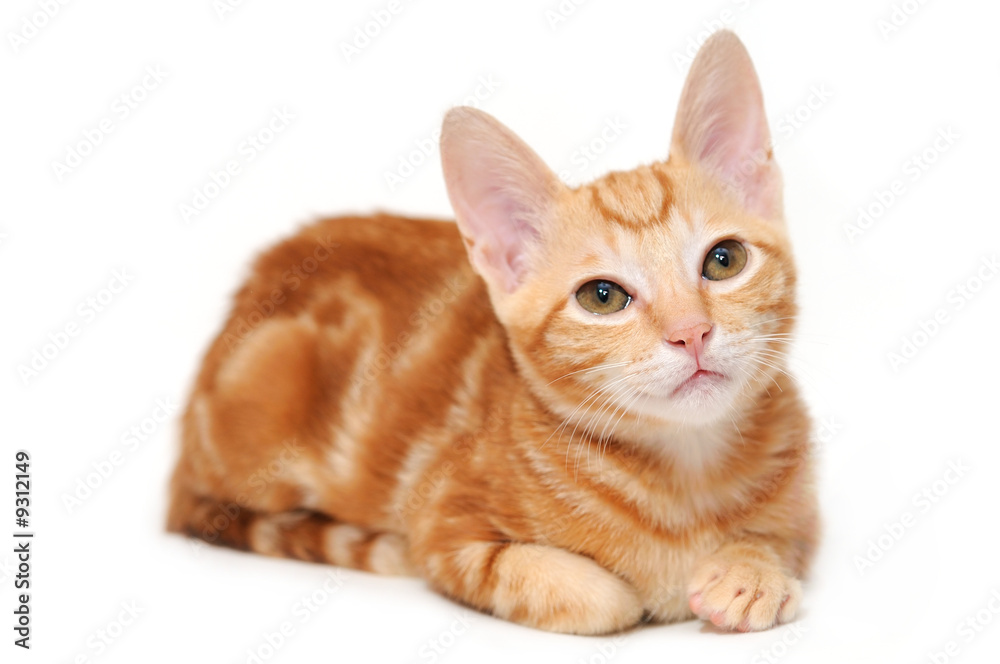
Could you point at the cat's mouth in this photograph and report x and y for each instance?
(699, 380)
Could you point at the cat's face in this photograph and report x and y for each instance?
(661, 294)
(655, 297)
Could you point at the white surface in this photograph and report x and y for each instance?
(895, 432)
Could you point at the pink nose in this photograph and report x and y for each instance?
(692, 339)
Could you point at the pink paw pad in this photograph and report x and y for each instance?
(694, 601)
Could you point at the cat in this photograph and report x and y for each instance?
(570, 409)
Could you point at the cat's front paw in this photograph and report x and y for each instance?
(743, 593)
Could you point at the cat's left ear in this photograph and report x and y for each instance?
(721, 125)
(502, 192)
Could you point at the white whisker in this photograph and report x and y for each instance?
(587, 370)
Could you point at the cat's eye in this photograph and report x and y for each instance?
(602, 297)
(725, 260)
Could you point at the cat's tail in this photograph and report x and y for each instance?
(300, 534)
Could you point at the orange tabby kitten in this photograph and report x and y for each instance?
(568, 410)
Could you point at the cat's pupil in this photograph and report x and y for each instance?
(603, 292)
(722, 255)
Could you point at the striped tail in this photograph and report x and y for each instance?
(299, 534)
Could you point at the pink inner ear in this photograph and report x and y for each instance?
(718, 152)
(506, 225)
(721, 125)
(501, 192)
(732, 141)
(742, 160)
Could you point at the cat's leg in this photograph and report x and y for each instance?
(533, 584)
(744, 586)
(297, 534)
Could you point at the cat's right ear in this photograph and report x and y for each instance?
(722, 127)
(502, 193)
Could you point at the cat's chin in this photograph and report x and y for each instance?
(701, 381)
(704, 398)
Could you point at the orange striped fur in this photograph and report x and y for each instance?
(381, 401)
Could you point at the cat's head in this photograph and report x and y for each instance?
(665, 293)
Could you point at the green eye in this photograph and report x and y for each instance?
(725, 260)
(602, 297)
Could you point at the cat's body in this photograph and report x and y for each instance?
(375, 402)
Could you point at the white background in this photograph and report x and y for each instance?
(891, 431)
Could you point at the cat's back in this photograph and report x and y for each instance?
(354, 338)
(380, 276)
(395, 260)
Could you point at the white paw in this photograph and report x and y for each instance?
(556, 590)
(744, 595)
